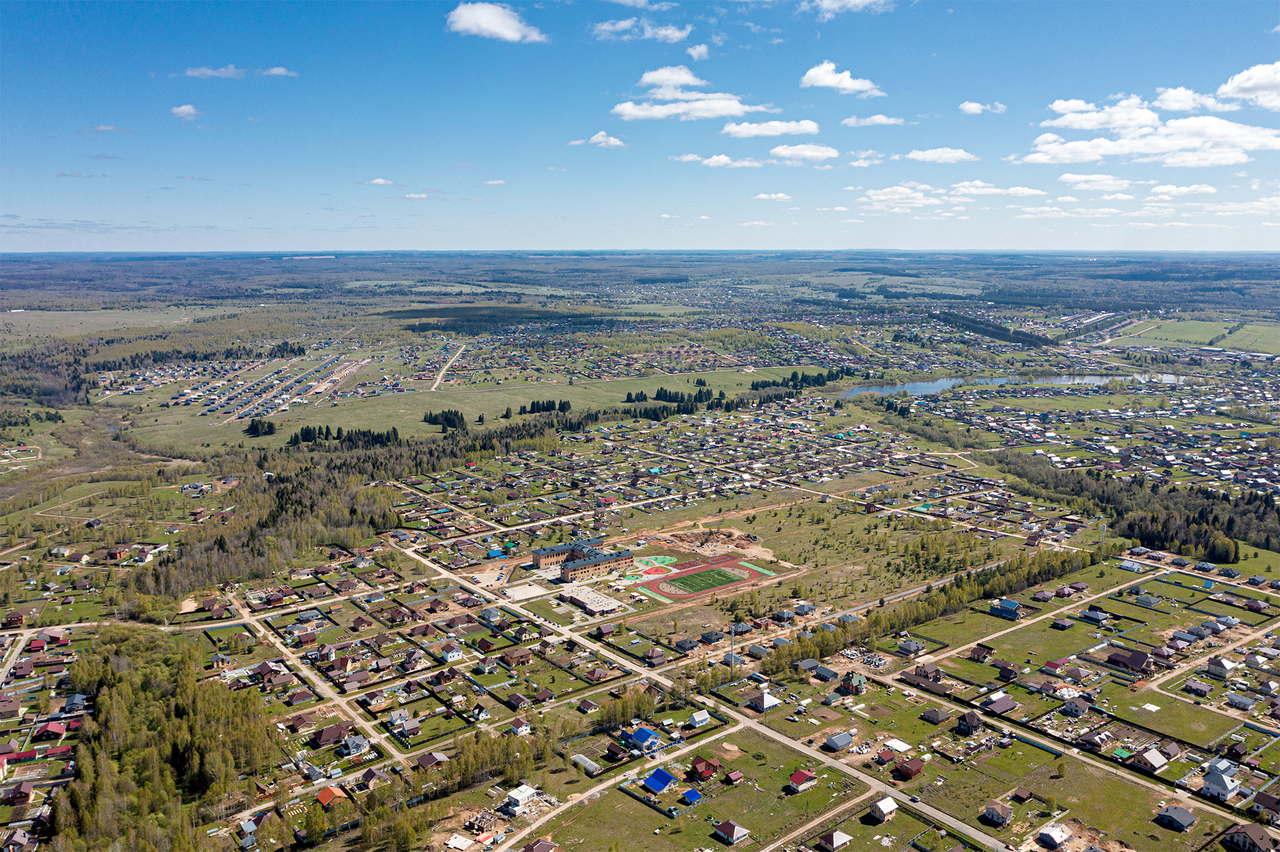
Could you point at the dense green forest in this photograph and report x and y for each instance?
(1196, 522)
(163, 752)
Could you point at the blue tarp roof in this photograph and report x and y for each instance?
(692, 796)
(660, 780)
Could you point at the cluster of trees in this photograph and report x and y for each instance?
(543, 406)
(1014, 575)
(898, 415)
(994, 330)
(260, 426)
(823, 644)
(346, 438)
(634, 704)
(450, 418)
(1218, 338)
(285, 349)
(698, 397)
(799, 381)
(1196, 522)
(163, 752)
(10, 418)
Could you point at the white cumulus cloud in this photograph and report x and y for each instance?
(671, 97)
(807, 153)
(899, 199)
(828, 9)
(825, 76)
(646, 4)
(1059, 213)
(866, 158)
(628, 29)
(974, 108)
(877, 120)
(614, 29)
(942, 155)
(1185, 100)
(495, 183)
(604, 140)
(490, 20)
(379, 182)
(278, 71)
(1135, 129)
(186, 112)
(1129, 113)
(1259, 85)
(719, 161)
(772, 196)
(724, 161)
(747, 130)
(698, 51)
(229, 71)
(1169, 190)
(1201, 140)
(977, 187)
(1095, 183)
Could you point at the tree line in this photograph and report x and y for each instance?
(994, 330)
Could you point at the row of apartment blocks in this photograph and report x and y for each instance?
(583, 559)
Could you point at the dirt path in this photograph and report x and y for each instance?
(447, 364)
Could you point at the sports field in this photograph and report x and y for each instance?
(704, 581)
(699, 576)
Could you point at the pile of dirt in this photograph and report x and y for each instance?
(717, 542)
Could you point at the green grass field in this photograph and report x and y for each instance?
(1255, 337)
(704, 581)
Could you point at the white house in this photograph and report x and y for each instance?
(997, 813)
(762, 701)
(1219, 667)
(884, 809)
(518, 798)
(1220, 786)
(1054, 835)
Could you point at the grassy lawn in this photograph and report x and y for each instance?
(561, 614)
(1175, 718)
(963, 790)
(1119, 810)
(1039, 643)
(1255, 337)
(869, 833)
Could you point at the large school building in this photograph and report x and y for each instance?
(582, 559)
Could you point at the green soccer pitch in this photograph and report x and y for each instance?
(702, 581)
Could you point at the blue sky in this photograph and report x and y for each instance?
(826, 124)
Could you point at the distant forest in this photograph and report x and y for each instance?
(1097, 281)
